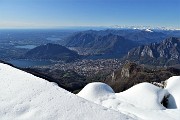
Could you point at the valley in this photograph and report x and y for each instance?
(74, 58)
(89, 60)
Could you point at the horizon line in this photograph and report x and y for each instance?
(94, 26)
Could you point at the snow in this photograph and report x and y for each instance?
(26, 97)
(148, 30)
(149, 96)
(173, 87)
(96, 90)
(140, 101)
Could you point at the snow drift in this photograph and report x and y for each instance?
(26, 97)
(173, 87)
(96, 90)
(143, 100)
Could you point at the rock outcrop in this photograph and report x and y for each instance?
(165, 53)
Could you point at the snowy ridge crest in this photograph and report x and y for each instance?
(27, 97)
(144, 100)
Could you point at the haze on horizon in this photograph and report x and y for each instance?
(58, 13)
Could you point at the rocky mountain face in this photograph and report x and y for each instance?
(93, 44)
(131, 74)
(166, 52)
(52, 52)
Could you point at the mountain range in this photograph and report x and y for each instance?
(142, 46)
(143, 36)
(93, 44)
(166, 52)
(114, 43)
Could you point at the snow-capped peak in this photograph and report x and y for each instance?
(148, 30)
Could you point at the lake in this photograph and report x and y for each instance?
(53, 38)
(29, 63)
(26, 46)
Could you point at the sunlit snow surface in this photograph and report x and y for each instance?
(26, 97)
(142, 100)
(173, 87)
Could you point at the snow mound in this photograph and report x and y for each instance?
(95, 90)
(26, 97)
(140, 101)
(145, 95)
(173, 87)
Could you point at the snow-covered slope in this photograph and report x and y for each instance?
(142, 100)
(26, 97)
(173, 86)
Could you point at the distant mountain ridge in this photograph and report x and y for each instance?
(107, 42)
(131, 74)
(165, 53)
(52, 52)
(92, 44)
(142, 36)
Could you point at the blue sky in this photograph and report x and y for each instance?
(56, 13)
